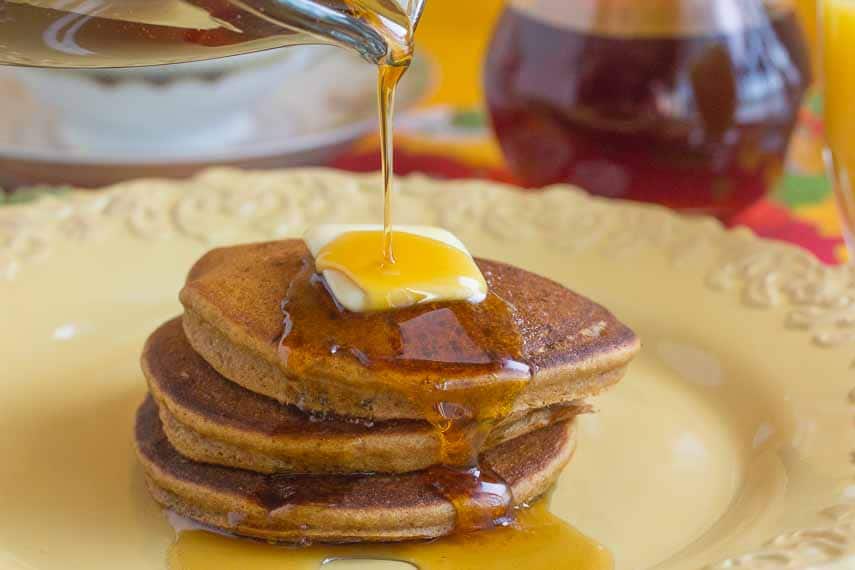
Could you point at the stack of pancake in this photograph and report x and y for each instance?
(233, 437)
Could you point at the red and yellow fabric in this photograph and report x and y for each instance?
(450, 135)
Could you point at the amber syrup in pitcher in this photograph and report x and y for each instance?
(127, 33)
(695, 115)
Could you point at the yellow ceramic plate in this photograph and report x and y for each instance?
(729, 444)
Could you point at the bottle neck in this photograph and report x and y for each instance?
(375, 29)
(650, 18)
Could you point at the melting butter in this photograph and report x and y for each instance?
(431, 264)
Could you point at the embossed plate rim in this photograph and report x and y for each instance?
(814, 298)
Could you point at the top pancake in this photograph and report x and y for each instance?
(233, 319)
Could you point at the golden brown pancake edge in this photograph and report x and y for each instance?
(331, 508)
(211, 419)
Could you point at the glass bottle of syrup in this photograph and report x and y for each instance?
(688, 103)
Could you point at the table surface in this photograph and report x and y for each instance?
(450, 136)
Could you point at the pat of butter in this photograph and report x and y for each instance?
(431, 264)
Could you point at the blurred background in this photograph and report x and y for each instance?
(710, 109)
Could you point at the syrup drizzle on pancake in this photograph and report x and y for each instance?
(461, 362)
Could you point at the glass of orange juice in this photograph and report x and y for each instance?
(838, 48)
(807, 11)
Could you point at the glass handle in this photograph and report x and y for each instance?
(414, 11)
(325, 24)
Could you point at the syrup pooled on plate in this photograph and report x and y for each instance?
(536, 540)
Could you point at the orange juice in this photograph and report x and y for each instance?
(807, 11)
(839, 83)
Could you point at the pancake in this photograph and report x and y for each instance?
(210, 419)
(574, 347)
(331, 508)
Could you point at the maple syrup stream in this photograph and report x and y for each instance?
(388, 78)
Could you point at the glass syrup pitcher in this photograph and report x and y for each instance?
(688, 103)
(125, 33)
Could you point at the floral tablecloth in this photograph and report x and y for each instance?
(450, 135)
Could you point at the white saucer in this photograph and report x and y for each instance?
(334, 103)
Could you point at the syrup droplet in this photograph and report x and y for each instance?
(481, 498)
